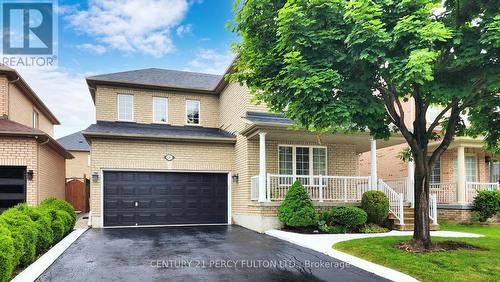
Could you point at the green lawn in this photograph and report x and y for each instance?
(460, 265)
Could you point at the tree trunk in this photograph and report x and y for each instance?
(421, 234)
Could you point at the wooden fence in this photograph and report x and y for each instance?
(78, 192)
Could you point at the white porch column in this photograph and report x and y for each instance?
(410, 182)
(461, 174)
(262, 166)
(373, 163)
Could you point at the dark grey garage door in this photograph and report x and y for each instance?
(12, 186)
(162, 198)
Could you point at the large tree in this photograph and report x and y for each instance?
(337, 65)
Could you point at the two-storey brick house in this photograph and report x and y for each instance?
(172, 147)
(31, 161)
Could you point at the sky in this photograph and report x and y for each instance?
(106, 36)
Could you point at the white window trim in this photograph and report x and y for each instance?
(166, 110)
(118, 107)
(311, 159)
(199, 113)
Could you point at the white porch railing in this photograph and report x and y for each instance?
(320, 187)
(472, 188)
(446, 193)
(433, 212)
(254, 193)
(396, 206)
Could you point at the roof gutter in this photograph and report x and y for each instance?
(230, 140)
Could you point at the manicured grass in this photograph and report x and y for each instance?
(459, 265)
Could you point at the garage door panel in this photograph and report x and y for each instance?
(164, 198)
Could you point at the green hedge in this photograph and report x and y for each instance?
(26, 232)
(486, 204)
(351, 218)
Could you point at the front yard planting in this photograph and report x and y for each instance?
(27, 232)
(474, 259)
(297, 213)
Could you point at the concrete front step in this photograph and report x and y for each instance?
(410, 227)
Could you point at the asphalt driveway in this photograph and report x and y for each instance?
(208, 253)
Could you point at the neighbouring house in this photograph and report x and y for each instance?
(463, 169)
(172, 147)
(76, 144)
(32, 163)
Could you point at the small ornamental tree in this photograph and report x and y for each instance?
(376, 205)
(297, 209)
(347, 65)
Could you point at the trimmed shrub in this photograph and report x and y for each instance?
(43, 221)
(376, 206)
(60, 205)
(373, 228)
(336, 229)
(6, 253)
(58, 222)
(25, 230)
(487, 204)
(350, 217)
(297, 209)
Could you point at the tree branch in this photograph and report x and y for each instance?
(438, 118)
(450, 130)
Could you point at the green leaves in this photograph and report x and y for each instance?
(321, 61)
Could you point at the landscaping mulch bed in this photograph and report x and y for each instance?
(437, 247)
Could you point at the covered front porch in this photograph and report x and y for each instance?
(463, 170)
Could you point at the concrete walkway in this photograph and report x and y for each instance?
(323, 243)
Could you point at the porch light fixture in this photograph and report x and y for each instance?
(95, 177)
(235, 178)
(30, 174)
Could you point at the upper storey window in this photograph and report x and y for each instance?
(125, 107)
(193, 112)
(160, 110)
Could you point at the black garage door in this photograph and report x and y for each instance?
(162, 198)
(12, 186)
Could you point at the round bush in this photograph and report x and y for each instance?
(6, 253)
(376, 206)
(350, 217)
(23, 229)
(297, 209)
(58, 222)
(486, 204)
(60, 205)
(43, 221)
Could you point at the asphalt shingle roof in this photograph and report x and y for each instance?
(163, 78)
(74, 142)
(258, 117)
(156, 130)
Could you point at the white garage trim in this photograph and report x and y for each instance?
(166, 170)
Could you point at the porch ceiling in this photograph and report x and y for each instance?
(361, 139)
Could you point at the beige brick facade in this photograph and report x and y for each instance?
(226, 111)
(149, 155)
(21, 111)
(16, 151)
(79, 165)
(51, 173)
(46, 164)
(107, 108)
